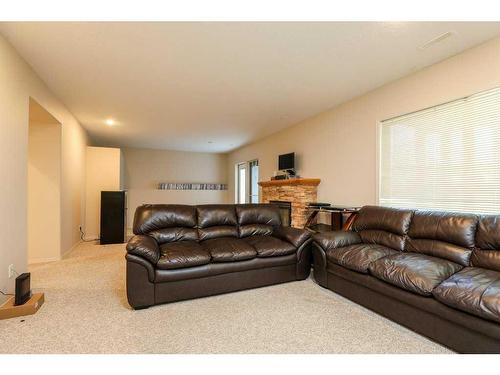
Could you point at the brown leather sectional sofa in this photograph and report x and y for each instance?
(181, 252)
(436, 273)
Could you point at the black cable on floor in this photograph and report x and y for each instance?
(82, 237)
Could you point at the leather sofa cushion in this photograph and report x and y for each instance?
(358, 257)
(297, 237)
(213, 269)
(445, 235)
(381, 237)
(182, 254)
(266, 214)
(489, 259)
(391, 220)
(268, 246)
(216, 220)
(145, 247)
(416, 273)
(473, 290)
(488, 233)
(336, 239)
(174, 234)
(217, 232)
(487, 254)
(440, 249)
(255, 230)
(383, 226)
(152, 217)
(257, 219)
(210, 215)
(229, 249)
(454, 228)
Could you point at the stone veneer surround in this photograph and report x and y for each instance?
(298, 191)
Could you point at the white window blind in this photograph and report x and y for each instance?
(444, 158)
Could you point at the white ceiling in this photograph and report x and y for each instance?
(218, 86)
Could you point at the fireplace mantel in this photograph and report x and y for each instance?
(298, 191)
(292, 181)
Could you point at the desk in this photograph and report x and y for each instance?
(337, 218)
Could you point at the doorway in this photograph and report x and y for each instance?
(247, 182)
(44, 185)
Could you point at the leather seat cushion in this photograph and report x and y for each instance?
(268, 246)
(229, 249)
(358, 257)
(417, 273)
(182, 254)
(473, 290)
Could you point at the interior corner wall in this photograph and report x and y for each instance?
(145, 168)
(19, 83)
(44, 192)
(340, 145)
(103, 173)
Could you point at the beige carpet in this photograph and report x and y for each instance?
(86, 312)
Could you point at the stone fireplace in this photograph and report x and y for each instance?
(285, 212)
(298, 191)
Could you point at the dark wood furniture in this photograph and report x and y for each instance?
(113, 217)
(341, 218)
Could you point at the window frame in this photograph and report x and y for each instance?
(248, 188)
(378, 129)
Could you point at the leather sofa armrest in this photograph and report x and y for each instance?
(145, 247)
(336, 239)
(294, 236)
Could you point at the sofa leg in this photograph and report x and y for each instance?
(140, 291)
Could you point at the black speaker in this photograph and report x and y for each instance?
(23, 289)
(112, 217)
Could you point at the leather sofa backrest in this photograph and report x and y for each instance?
(487, 252)
(257, 219)
(166, 222)
(445, 235)
(383, 226)
(217, 220)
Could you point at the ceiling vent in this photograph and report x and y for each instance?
(436, 40)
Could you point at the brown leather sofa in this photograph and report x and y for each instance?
(181, 252)
(436, 273)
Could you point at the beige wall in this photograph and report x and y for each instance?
(44, 192)
(340, 145)
(19, 83)
(145, 168)
(103, 168)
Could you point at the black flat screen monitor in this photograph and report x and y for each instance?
(23, 289)
(286, 161)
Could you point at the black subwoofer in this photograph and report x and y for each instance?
(112, 217)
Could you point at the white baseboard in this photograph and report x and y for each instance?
(43, 260)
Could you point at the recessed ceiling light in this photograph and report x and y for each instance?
(110, 122)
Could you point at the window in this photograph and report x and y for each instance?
(444, 158)
(241, 183)
(247, 178)
(254, 181)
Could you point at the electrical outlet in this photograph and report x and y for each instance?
(12, 271)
